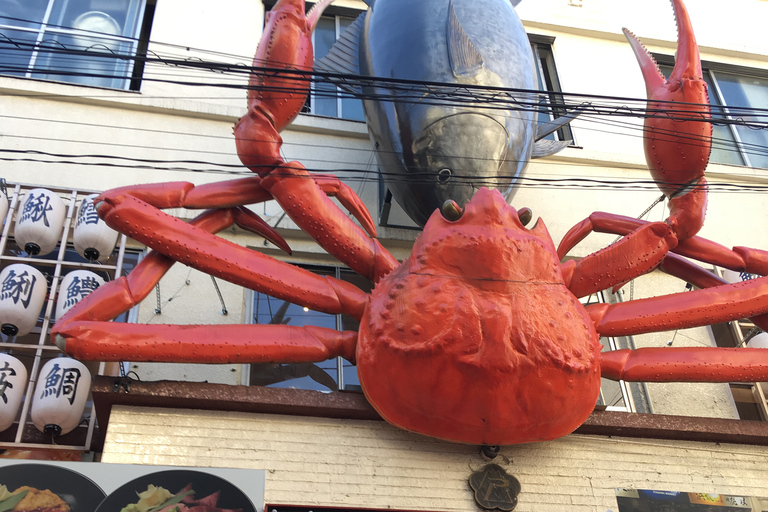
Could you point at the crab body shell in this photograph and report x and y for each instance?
(475, 338)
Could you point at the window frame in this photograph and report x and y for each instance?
(127, 75)
(710, 70)
(340, 95)
(550, 91)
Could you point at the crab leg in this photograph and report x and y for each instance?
(85, 333)
(701, 278)
(677, 139)
(681, 310)
(213, 255)
(249, 191)
(273, 102)
(686, 364)
(104, 341)
(118, 296)
(240, 192)
(581, 272)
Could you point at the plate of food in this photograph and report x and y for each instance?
(177, 491)
(43, 487)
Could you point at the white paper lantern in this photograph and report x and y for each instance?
(93, 239)
(13, 384)
(758, 341)
(22, 294)
(39, 221)
(3, 207)
(60, 394)
(74, 287)
(732, 276)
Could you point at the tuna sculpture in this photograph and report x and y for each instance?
(429, 148)
(479, 336)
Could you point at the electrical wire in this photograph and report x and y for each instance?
(400, 89)
(448, 95)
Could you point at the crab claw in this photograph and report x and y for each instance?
(678, 137)
(687, 63)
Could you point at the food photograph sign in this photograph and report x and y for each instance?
(99, 487)
(644, 500)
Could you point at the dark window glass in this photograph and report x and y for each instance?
(77, 41)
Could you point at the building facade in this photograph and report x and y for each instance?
(78, 118)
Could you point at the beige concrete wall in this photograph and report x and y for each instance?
(318, 461)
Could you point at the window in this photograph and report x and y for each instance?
(88, 42)
(36, 348)
(331, 375)
(327, 99)
(734, 93)
(549, 84)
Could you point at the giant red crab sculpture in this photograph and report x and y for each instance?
(479, 336)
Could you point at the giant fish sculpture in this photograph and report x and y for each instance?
(430, 150)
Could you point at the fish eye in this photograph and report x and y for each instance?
(443, 175)
(451, 210)
(525, 215)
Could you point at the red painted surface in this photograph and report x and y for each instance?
(479, 336)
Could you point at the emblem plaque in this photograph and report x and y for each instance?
(494, 488)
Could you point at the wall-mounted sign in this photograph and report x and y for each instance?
(494, 488)
(101, 487)
(632, 500)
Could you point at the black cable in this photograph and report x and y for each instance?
(336, 162)
(478, 95)
(523, 181)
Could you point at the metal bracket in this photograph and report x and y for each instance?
(123, 383)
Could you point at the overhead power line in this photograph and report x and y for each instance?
(389, 89)
(598, 112)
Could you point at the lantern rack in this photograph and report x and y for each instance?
(36, 347)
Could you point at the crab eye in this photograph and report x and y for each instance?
(451, 210)
(443, 175)
(525, 215)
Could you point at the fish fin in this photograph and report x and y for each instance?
(545, 129)
(546, 147)
(464, 57)
(514, 3)
(343, 57)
